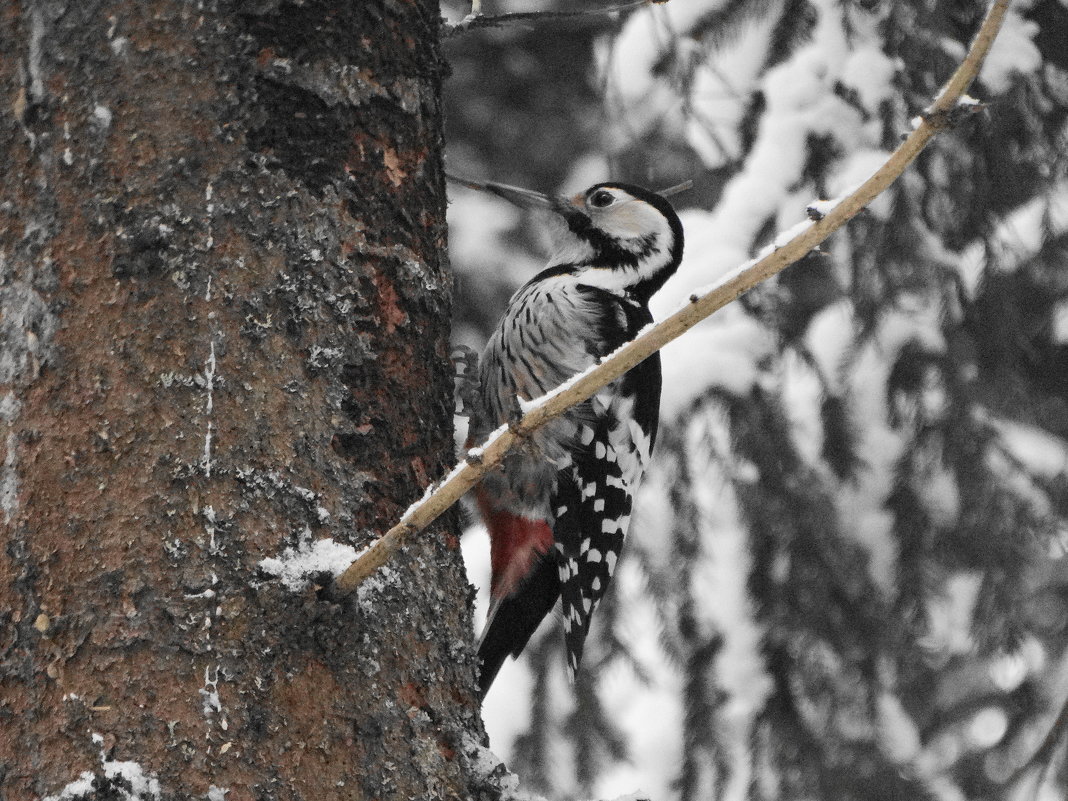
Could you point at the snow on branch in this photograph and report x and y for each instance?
(948, 107)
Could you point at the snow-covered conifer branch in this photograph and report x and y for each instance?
(785, 250)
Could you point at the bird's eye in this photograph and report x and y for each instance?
(602, 198)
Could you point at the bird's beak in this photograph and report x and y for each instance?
(524, 198)
(570, 208)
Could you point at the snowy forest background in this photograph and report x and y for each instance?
(847, 573)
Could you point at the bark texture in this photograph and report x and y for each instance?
(224, 325)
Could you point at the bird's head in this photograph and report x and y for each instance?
(616, 236)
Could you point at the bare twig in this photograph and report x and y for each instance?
(470, 183)
(775, 258)
(1043, 757)
(473, 20)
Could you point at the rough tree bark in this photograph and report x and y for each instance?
(224, 325)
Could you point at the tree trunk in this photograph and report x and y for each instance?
(225, 317)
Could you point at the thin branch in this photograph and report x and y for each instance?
(827, 218)
(473, 21)
(685, 186)
(1043, 757)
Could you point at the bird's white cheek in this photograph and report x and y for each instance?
(632, 221)
(624, 224)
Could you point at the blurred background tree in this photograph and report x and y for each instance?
(847, 575)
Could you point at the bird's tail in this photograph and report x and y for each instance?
(514, 618)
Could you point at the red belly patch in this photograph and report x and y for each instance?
(516, 545)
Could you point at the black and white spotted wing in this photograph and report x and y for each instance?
(615, 433)
(593, 503)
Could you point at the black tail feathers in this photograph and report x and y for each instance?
(516, 619)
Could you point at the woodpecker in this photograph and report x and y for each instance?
(559, 507)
